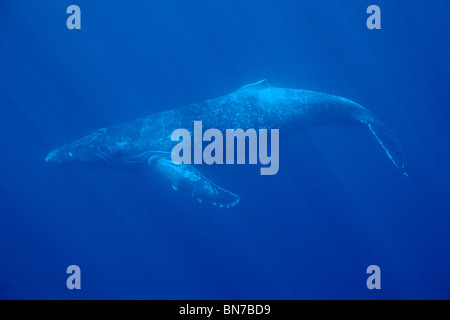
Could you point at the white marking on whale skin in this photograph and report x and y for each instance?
(122, 144)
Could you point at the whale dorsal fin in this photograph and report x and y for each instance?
(262, 84)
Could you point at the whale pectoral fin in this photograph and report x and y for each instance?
(185, 177)
(389, 142)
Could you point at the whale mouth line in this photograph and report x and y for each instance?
(108, 159)
(117, 162)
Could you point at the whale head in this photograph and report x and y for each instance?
(88, 150)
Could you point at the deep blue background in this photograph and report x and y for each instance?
(336, 206)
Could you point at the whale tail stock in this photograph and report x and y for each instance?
(388, 141)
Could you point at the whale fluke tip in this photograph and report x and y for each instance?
(389, 142)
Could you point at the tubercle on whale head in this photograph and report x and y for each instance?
(89, 149)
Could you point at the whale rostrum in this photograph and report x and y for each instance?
(147, 143)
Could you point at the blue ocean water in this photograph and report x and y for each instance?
(336, 206)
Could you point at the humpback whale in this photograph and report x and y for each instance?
(146, 142)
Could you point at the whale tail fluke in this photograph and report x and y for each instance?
(388, 141)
